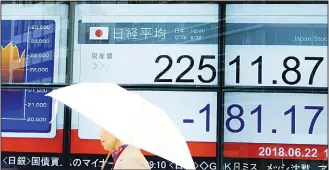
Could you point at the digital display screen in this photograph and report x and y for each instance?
(275, 45)
(264, 96)
(33, 43)
(299, 119)
(188, 110)
(276, 50)
(151, 45)
(27, 51)
(29, 108)
(148, 49)
(32, 48)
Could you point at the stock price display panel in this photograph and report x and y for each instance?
(150, 44)
(268, 127)
(278, 50)
(147, 44)
(31, 50)
(276, 45)
(195, 113)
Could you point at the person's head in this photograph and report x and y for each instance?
(109, 141)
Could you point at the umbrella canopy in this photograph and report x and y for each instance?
(137, 121)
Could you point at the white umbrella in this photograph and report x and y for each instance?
(137, 121)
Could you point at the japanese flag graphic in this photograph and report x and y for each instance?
(99, 33)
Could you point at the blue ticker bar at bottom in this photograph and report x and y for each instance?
(26, 110)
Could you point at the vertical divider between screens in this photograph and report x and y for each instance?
(220, 94)
(68, 81)
(327, 83)
(0, 91)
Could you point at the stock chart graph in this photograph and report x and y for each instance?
(28, 48)
(28, 51)
(12, 66)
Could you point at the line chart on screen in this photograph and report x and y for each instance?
(28, 56)
(28, 48)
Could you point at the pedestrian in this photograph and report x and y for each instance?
(124, 156)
